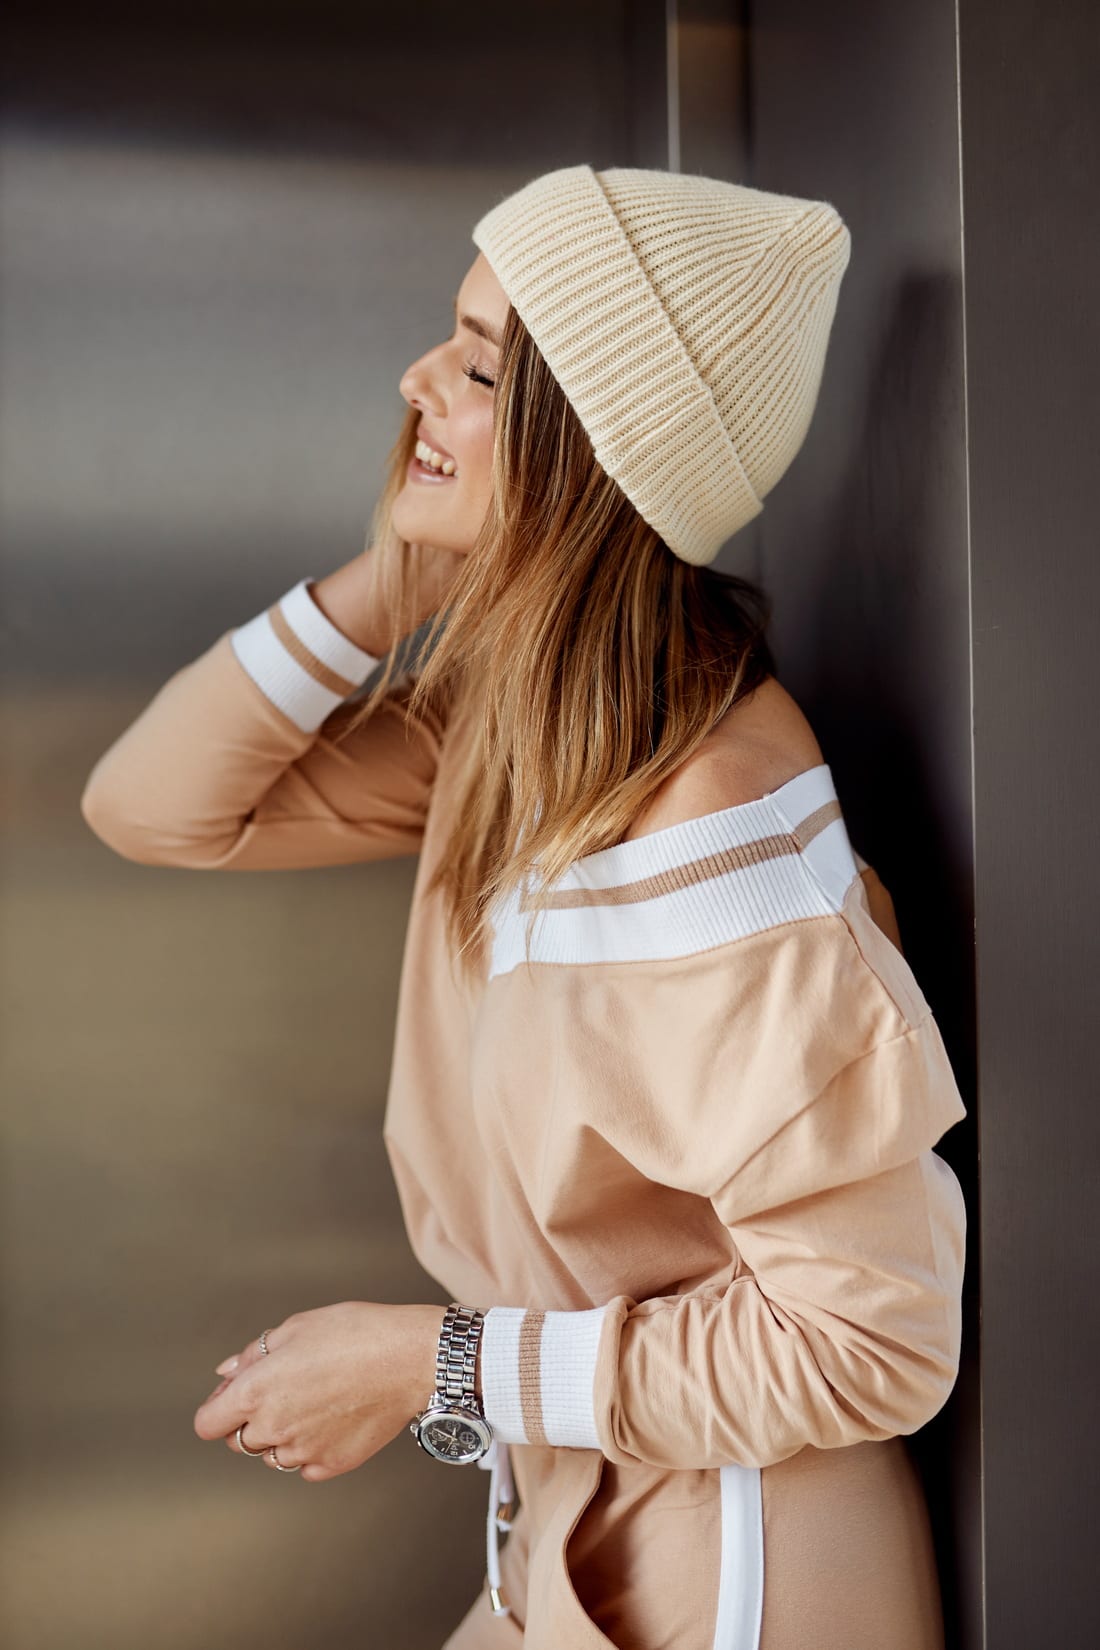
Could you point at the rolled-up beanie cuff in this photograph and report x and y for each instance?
(593, 296)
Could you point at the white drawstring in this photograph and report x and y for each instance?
(498, 1463)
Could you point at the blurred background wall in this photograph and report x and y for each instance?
(227, 229)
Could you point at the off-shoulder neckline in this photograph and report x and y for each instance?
(740, 822)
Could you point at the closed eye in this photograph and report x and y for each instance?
(477, 377)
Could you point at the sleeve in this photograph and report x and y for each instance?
(880, 904)
(238, 762)
(839, 1319)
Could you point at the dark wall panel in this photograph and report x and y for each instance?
(1031, 174)
(863, 543)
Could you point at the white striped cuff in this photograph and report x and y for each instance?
(299, 659)
(537, 1375)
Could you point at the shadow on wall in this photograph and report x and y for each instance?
(885, 596)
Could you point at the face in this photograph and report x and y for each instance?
(452, 389)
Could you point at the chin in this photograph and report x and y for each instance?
(428, 527)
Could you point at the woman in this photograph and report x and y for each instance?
(665, 1091)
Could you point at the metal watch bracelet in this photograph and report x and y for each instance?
(452, 1427)
(456, 1355)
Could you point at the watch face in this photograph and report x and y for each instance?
(454, 1435)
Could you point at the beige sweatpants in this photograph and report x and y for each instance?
(849, 1560)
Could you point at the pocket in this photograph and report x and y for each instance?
(556, 1615)
(645, 1557)
(586, 1580)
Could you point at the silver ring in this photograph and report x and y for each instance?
(276, 1463)
(264, 1348)
(245, 1447)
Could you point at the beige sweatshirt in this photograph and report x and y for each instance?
(683, 1157)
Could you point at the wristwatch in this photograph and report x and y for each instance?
(452, 1426)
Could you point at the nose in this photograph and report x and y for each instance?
(418, 384)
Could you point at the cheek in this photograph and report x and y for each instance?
(478, 448)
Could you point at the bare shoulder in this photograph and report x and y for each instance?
(757, 746)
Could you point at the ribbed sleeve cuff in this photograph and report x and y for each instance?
(538, 1373)
(299, 659)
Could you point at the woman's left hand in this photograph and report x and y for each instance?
(336, 1385)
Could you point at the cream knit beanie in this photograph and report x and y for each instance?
(686, 319)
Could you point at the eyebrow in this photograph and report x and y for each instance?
(473, 324)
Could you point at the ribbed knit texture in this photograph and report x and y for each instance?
(298, 658)
(686, 320)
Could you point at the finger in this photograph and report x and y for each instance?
(240, 1361)
(314, 1474)
(222, 1413)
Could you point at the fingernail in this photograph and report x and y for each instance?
(227, 1366)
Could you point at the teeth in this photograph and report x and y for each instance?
(428, 455)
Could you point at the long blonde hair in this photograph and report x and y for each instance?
(592, 660)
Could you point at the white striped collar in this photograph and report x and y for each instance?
(692, 885)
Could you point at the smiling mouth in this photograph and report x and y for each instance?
(437, 463)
